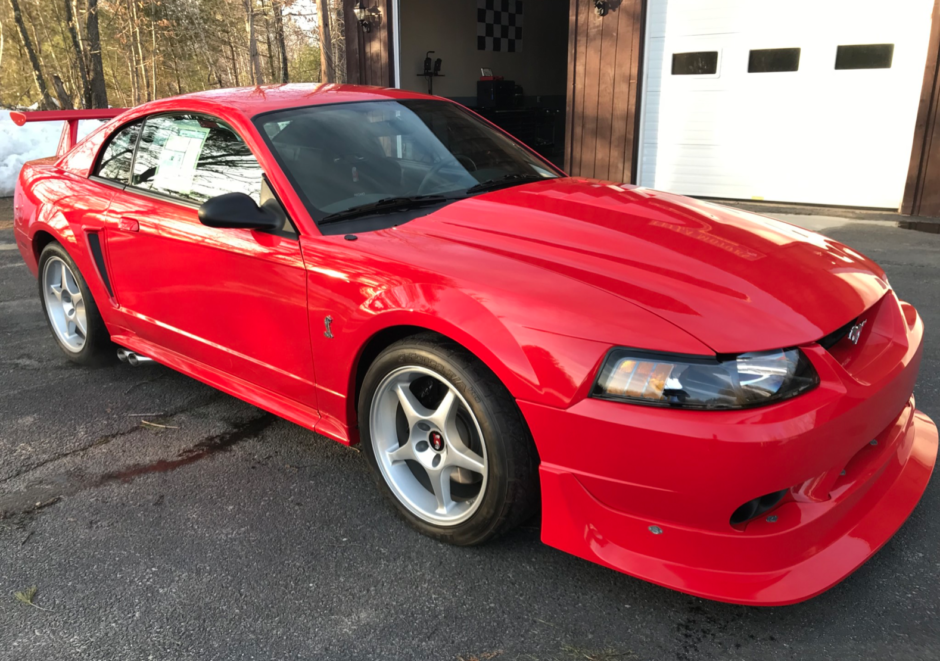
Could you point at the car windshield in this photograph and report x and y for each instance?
(381, 156)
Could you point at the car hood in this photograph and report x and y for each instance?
(734, 280)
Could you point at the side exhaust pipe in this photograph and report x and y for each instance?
(132, 358)
(136, 359)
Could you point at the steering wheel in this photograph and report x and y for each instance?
(429, 177)
(463, 158)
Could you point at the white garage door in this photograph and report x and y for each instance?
(811, 102)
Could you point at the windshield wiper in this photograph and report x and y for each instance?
(504, 181)
(385, 205)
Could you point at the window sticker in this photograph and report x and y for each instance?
(179, 157)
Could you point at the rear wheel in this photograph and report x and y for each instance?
(447, 442)
(71, 311)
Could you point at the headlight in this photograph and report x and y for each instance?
(683, 381)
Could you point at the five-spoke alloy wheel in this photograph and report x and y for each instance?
(65, 305)
(433, 459)
(447, 442)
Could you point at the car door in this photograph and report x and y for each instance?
(231, 299)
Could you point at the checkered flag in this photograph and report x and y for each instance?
(499, 25)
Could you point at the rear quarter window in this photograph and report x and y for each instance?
(116, 158)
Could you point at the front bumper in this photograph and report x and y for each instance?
(854, 456)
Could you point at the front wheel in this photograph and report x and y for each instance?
(447, 442)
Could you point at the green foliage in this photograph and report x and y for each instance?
(158, 48)
(307, 65)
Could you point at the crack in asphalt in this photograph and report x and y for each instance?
(146, 381)
(38, 497)
(101, 440)
(202, 449)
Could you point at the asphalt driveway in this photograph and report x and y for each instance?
(160, 519)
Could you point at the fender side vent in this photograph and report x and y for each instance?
(98, 256)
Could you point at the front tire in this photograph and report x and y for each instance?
(446, 441)
(70, 310)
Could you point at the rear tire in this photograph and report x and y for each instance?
(447, 444)
(70, 310)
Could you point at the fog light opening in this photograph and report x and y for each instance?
(756, 507)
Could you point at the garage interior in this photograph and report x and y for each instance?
(830, 103)
(526, 56)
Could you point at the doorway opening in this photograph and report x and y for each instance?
(505, 59)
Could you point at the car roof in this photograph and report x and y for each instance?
(251, 101)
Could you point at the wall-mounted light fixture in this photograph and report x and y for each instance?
(362, 15)
(601, 7)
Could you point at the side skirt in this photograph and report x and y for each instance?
(283, 407)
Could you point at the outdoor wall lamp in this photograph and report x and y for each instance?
(601, 7)
(362, 15)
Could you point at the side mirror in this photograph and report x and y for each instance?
(238, 211)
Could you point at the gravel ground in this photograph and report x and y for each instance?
(230, 534)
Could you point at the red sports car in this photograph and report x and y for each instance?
(700, 397)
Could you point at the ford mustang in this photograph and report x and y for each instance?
(700, 397)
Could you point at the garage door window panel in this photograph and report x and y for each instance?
(193, 159)
(773, 60)
(699, 63)
(864, 56)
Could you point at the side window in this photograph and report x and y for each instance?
(115, 163)
(194, 158)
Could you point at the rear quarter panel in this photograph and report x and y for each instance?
(52, 202)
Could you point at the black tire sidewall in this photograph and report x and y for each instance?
(98, 349)
(486, 520)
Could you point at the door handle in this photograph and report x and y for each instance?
(129, 224)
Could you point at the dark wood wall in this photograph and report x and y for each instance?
(604, 54)
(369, 54)
(922, 191)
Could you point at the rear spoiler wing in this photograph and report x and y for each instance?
(71, 118)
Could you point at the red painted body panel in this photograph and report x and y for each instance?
(539, 281)
(735, 281)
(810, 548)
(235, 300)
(21, 118)
(599, 503)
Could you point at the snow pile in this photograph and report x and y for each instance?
(19, 144)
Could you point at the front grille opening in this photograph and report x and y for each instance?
(756, 507)
(835, 336)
